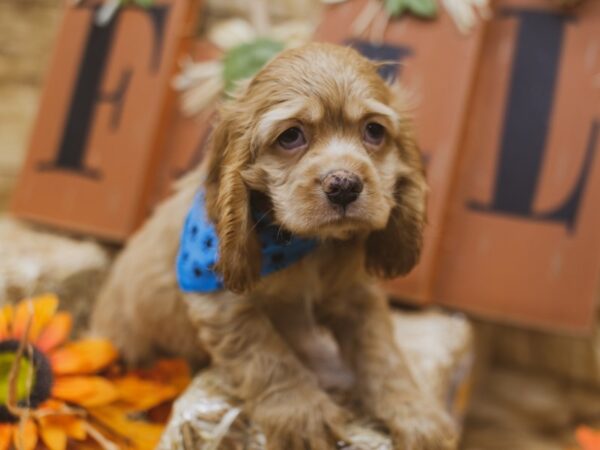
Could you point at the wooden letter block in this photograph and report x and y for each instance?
(98, 129)
(522, 240)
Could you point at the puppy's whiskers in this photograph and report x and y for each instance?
(256, 222)
(278, 236)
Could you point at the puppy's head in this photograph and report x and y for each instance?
(320, 135)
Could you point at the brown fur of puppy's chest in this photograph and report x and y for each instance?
(319, 277)
(296, 298)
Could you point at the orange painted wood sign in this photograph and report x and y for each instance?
(522, 240)
(436, 65)
(94, 143)
(186, 136)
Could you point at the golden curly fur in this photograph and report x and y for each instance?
(254, 330)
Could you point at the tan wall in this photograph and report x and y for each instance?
(27, 30)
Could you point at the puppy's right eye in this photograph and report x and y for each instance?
(291, 139)
(374, 133)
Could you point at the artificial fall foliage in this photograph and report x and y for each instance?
(56, 393)
(246, 59)
(245, 50)
(376, 14)
(426, 9)
(109, 7)
(588, 438)
(466, 14)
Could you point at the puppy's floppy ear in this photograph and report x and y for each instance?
(396, 249)
(228, 203)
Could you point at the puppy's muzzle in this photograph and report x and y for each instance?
(342, 187)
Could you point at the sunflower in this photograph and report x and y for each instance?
(56, 394)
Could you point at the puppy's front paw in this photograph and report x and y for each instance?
(311, 421)
(420, 426)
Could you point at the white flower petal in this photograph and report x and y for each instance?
(231, 33)
(192, 73)
(467, 13)
(293, 33)
(197, 98)
(106, 12)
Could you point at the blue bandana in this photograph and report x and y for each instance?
(199, 245)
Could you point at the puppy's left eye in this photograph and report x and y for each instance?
(374, 133)
(291, 139)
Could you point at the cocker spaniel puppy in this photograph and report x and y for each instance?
(311, 190)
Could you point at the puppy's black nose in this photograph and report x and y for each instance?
(342, 187)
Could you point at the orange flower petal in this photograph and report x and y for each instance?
(174, 372)
(143, 435)
(140, 394)
(56, 332)
(41, 309)
(6, 431)
(588, 438)
(83, 357)
(72, 425)
(5, 320)
(85, 391)
(160, 413)
(53, 405)
(53, 436)
(26, 437)
(75, 428)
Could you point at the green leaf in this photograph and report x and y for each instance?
(144, 3)
(245, 60)
(394, 7)
(425, 9)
